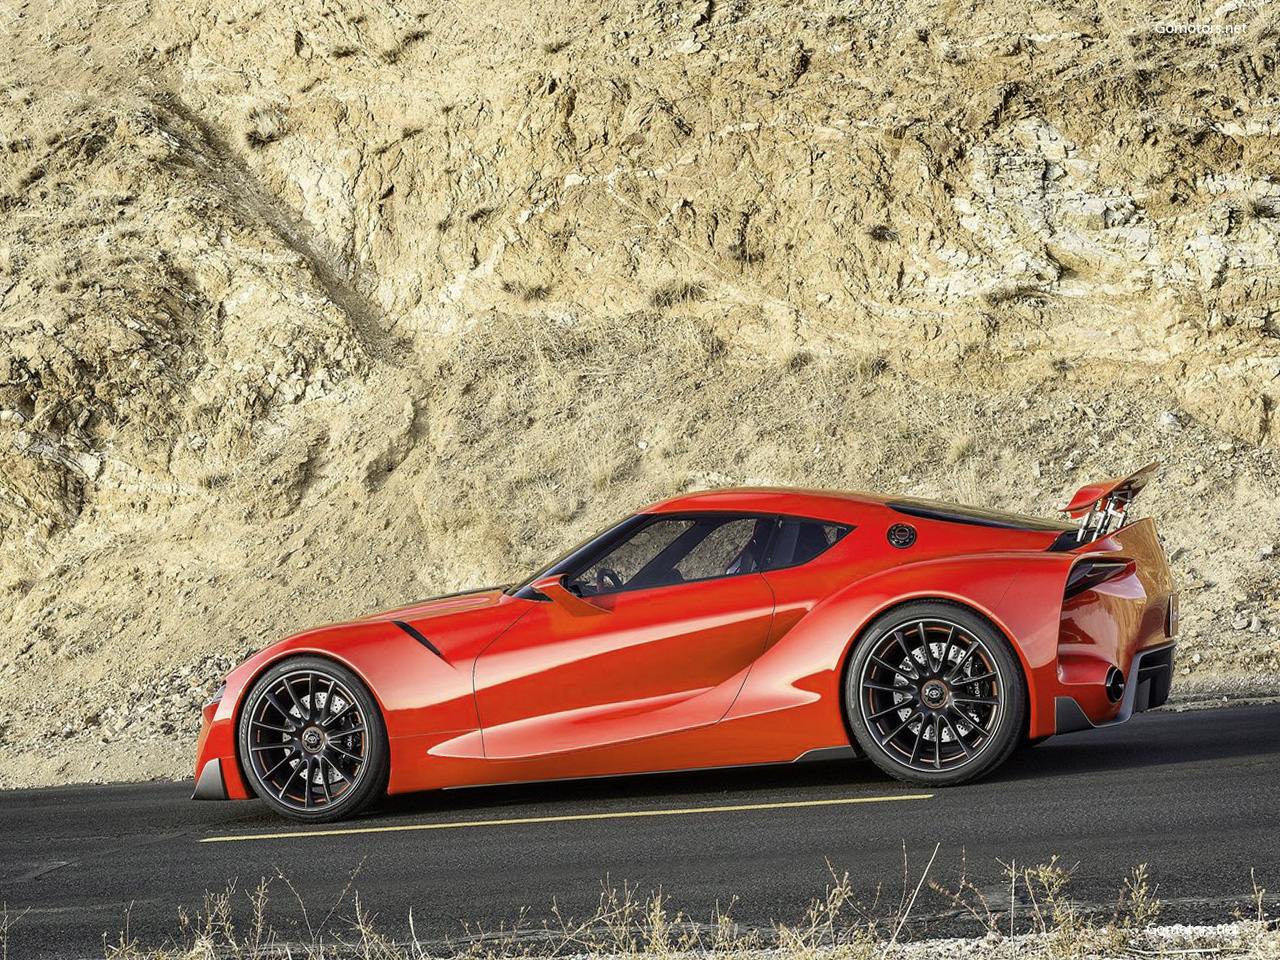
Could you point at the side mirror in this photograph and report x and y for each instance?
(554, 588)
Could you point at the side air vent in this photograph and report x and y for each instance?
(901, 535)
(413, 632)
(1091, 573)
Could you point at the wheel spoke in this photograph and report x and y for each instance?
(258, 748)
(328, 702)
(915, 751)
(896, 671)
(954, 672)
(294, 697)
(338, 716)
(324, 779)
(884, 687)
(946, 650)
(284, 786)
(338, 770)
(259, 725)
(306, 783)
(902, 726)
(350, 756)
(280, 707)
(937, 743)
(986, 701)
(911, 661)
(965, 681)
(924, 645)
(896, 708)
(287, 757)
(968, 751)
(968, 718)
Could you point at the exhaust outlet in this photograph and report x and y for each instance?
(1114, 685)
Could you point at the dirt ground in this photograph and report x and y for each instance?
(309, 309)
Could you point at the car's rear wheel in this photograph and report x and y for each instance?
(312, 740)
(935, 694)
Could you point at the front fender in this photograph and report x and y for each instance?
(415, 689)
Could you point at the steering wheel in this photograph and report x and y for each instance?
(608, 579)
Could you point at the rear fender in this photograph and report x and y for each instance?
(1020, 593)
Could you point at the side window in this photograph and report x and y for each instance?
(678, 550)
(800, 541)
(722, 551)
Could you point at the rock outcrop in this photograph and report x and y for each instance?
(311, 309)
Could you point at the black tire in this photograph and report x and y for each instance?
(312, 742)
(935, 695)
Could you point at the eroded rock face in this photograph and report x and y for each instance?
(308, 311)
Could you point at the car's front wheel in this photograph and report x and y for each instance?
(934, 694)
(312, 740)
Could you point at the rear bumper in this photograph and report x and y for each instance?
(1116, 629)
(1147, 687)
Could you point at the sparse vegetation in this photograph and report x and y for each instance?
(1005, 293)
(961, 448)
(266, 126)
(676, 293)
(1039, 922)
(1265, 208)
(526, 292)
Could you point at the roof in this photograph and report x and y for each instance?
(820, 504)
(849, 506)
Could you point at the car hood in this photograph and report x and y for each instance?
(441, 606)
(451, 627)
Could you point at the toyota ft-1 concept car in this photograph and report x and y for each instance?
(721, 628)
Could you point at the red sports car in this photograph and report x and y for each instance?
(721, 628)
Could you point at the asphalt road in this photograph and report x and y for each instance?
(1194, 795)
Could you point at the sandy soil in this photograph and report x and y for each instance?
(310, 309)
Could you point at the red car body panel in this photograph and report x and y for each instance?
(489, 687)
(554, 681)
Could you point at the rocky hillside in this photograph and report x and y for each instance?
(313, 308)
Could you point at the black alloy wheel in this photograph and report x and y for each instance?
(312, 741)
(935, 694)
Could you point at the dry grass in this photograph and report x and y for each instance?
(1264, 208)
(527, 292)
(677, 293)
(1040, 922)
(266, 126)
(1006, 293)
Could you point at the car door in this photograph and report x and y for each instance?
(673, 618)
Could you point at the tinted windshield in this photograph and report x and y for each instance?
(568, 560)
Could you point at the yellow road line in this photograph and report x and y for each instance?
(345, 831)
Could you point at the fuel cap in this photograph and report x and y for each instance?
(902, 535)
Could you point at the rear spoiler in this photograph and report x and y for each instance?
(1099, 505)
